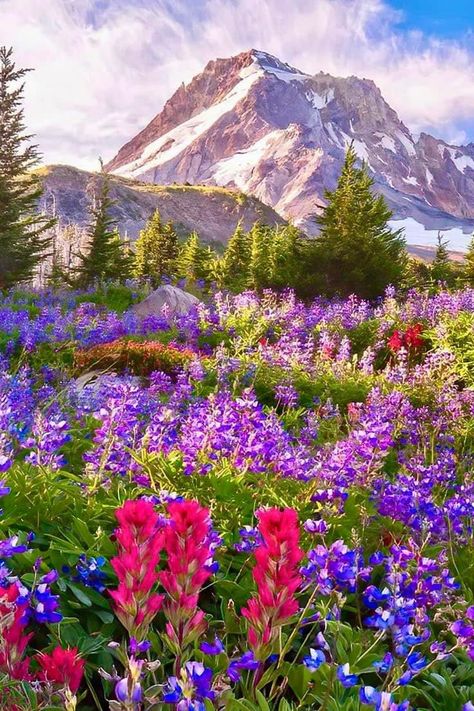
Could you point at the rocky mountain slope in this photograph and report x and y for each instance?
(212, 211)
(253, 123)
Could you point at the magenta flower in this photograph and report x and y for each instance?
(140, 541)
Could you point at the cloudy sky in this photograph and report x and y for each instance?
(103, 68)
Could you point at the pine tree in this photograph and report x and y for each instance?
(147, 246)
(235, 267)
(468, 266)
(169, 251)
(442, 268)
(260, 253)
(194, 260)
(104, 252)
(156, 250)
(121, 258)
(287, 257)
(356, 251)
(24, 236)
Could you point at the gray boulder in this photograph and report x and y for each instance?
(175, 300)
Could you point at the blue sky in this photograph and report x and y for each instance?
(104, 68)
(444, 19)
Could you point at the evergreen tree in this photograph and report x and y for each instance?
(147, 246)
(356, 251)
(468, 266)
(442, 267)
(235, 267)
(260, 256)
(157, 250)
(194, 261)
(417, 275)
(121, 259)
(23, 232)
(104, 258)
(287, 257)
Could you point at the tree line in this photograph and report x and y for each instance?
(355, 251)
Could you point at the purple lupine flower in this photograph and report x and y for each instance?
(212, 648)
(246, 662)
(190, 689)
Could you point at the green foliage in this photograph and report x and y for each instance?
(236, 260)
(106, 256)
(156, 250)
(356, 251)
(24, 235)
(442, 268)
(195, 260)
(468, 266)
(456, 335)
(260, 254)
(263, 258)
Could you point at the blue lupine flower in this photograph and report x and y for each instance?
(416, 661)
(212, 648)
(345, 677)
(191, 688)
(135, 647)
(122, 692)
(315, 659)
(89, 573)
(369, 695)
(246, 661)
(405, 678)
(385, 664)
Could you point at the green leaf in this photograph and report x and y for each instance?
(106, 617)
(262, 702)
(80, 594)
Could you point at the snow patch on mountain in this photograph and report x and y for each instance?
(171, 144)
(319, 101)
(462, 162)
(386, 142)
(238, 169)
(407, 143)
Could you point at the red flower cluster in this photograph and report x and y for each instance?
(187, 544)
(410, 339)
(13, 645)
(63, 667)
(140, 358)
(276, 574)
(140, 541)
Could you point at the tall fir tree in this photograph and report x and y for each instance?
(194, 260)
(287, 257)
(121, 258)
(235, 263)
(24, 237)
(357, 251)
(147, 247)
(442, 268)
(468, 265)
(156, 250)
(260, 256)
(104, 258)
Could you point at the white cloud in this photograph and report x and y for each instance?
(103, 68)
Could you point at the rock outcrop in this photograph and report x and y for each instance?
(168, 299)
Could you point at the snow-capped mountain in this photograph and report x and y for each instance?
(261, 126)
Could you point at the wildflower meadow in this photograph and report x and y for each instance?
(261, 504)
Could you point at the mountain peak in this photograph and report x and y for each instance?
(273, 65)
(257, 124)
